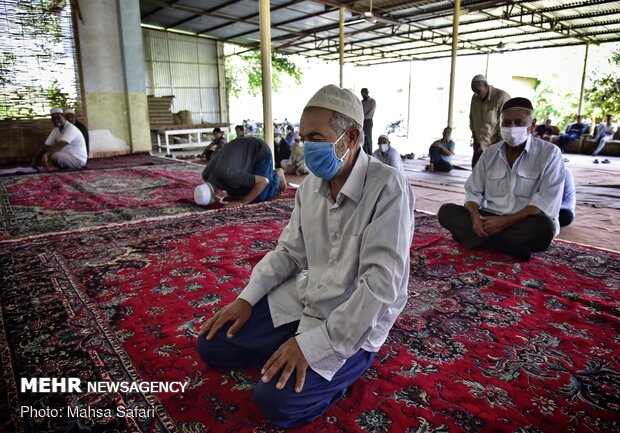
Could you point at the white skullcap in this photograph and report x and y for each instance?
(69, 111)
(383, 136)
(479, 77)
(277, 131)
(342, 101)
(56, 110)
(204, 195)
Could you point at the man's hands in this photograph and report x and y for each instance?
(493, 225)
(238, 312)
(289, 358)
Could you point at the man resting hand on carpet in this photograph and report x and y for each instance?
(318, 307)
(513, 196)
(244, 169)
(64, 148)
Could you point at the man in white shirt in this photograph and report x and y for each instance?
(604, 133)
(318, 307)
(64, 148)
(513, 196)
(387, 154)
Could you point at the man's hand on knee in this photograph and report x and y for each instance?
(287, 358)
(237, 312)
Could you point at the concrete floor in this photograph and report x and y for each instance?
(598, 194)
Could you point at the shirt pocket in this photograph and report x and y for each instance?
(526, 183)
(497, 183)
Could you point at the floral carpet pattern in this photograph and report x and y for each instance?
(485, 344)
(52, 202)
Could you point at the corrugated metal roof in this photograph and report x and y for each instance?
(411, 30)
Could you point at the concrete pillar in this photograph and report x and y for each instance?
(113, 76)
(265, 49)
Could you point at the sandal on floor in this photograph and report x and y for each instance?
(605, 161)
(595, 161)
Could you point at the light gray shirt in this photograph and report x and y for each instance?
(356, 251)
(536, 178)
(391, 157)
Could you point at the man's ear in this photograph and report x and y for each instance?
(353, 135)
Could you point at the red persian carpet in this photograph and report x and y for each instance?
(485, 344)
(54, 202)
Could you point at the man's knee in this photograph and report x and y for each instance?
(220, 354)
(286, 408)
(447, 213)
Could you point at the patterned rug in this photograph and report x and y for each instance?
(485, 344)
(54, 202)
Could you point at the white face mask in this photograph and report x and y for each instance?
(384, 147)
(514, 136)
(277, 140)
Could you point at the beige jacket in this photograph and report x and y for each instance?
(484, 117)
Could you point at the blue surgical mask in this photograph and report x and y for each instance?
(321, 158)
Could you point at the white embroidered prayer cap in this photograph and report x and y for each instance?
(204, 194)
(56, 110)
(342, 101)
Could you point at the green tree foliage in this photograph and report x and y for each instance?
(603, 95)
(244, 73)
(550, 103)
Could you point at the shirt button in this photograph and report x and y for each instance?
(334, 236)
(332, 263)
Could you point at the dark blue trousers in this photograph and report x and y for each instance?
(254, 344)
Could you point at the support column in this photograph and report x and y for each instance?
(113, 72)
(265, 49)
(583, 77)
(455, 41)
(341, 47)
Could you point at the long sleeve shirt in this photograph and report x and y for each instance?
(568, 192)
(369, 105)
(484, 116)
(536, 178)
(391, 158)
(341, 266)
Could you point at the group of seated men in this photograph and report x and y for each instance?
(339, 256)
(603, 133)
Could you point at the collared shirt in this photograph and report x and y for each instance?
(356, 252)
(391, 157)
(71, 134)
(536, 178)
(484, 116)
(568, 192)
(369, 105)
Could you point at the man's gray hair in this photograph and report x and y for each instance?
(340, 123)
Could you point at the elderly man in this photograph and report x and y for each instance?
(244, 169)
(387, 154)
(70, 116)
(513, 196)
(484, 112)
(64, 148)
(369, 105)
(440, 153)
(296, 163)
(318, 307)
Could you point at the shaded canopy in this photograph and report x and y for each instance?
(383, 31)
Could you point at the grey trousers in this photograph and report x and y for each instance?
(534, 232)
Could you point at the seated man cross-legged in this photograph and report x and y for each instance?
(320, 305)
(513, 196)
(441, 152)
(64, 148)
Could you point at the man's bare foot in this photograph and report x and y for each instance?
(283, 184)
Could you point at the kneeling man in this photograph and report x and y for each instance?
(318, 308)
(65, 147)
(513, 196)
(244, 169)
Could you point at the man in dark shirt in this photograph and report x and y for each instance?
(544, 131)
(573, 132)
(70, 116)
(244, 169)
(218, 142)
